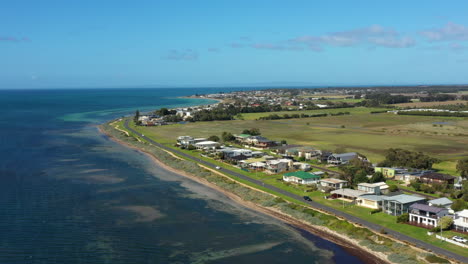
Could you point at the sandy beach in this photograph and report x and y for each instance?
(350, 245)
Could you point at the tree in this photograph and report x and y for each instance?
(227, 137)
(214, 138)
(191, 147)
(403, 218)
(392, 188)
(462, 167)
(406, 158)
(284, 142)
(137, 116)
(446, 222)
(416, 184)
(459, 205)
(377, 177)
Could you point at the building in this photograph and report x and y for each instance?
(441, 202)
(206, 145)
(460, 221)
(399, 204)
(301, 177)
(347, 194)
(301, 166)
(242, 138)
(370, 201)
(341, 159)
(423, 214)
(374, 188)
(277, 166)
(390, 172)
(185, 141)
(435, 177)
(333, 183)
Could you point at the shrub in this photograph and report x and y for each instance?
(376, 211)
(435, 259)
(401, 258)
(403, 218)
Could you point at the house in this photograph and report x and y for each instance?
(242, 138)
(374, 188)
(399, 204)
(304, 152)
(277, 166)
(340, 159)
(333, 183)
(206, 145)
(370, 201)
(347, 194)
(324, 156)
(185, 141)
(435, 177)
(441, 202)
(423, 214)
(257, 165)
(264, 143)
(460, 221)
(301, 177)
(390, 172)
(301, 166)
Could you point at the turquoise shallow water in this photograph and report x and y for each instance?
(70, 195)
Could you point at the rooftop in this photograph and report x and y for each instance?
(302, 174)
(437, 176)
(333, 180)
(372, 197)
(404, 198)
(463, 213)
(348, 192)
(441, 201)
(427, 208)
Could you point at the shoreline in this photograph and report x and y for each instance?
(348, 244)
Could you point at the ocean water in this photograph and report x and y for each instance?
(70, 195)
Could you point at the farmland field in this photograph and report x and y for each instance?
(428, 104)
(370, 134)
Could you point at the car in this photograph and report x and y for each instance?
(307, 198)
(218, 167)
(459, 239)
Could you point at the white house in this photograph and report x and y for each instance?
(370, 201)
(301, 177)
(425, 214)
(333, 183)
(206, 145)
(340, 159)
(461, 221)
(374, 188)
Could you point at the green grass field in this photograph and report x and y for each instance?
(369, 134)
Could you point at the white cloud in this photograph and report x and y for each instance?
(449, 32)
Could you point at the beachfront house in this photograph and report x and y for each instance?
(346, 194)
(374, 188)
(371, 201)
(185, 141)
(333, 183)
(460, 221)
(399, 204)
(301, 177)
(206, 145)
(426, 215)
(279, 165)
(341, 159)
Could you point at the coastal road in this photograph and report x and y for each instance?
(351, 218)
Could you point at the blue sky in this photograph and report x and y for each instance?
(55, 44)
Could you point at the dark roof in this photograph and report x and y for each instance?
(427, 208)
(438, 176)
(238, 157)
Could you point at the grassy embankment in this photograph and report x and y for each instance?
(396, 252)
(203, 130)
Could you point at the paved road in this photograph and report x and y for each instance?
(313, 204)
